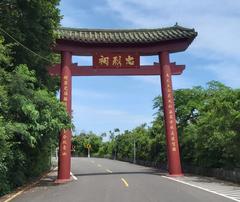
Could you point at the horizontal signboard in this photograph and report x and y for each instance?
(116, 60)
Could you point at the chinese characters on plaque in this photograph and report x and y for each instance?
(116, 60)
(171, 114)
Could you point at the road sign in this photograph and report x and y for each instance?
(88, 146)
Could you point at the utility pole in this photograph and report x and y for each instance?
(88, 148)
(115, 152)
(88, 152)
(134, 151)
(56, 153)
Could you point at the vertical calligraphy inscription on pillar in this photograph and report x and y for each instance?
(171, 114)
(174, 164)
(64, 162)
(64, 142)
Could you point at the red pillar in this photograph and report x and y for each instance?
(64, 160)
(174, 164)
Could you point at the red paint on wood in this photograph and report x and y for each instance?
(67, 70)
(139, 71)
(64, 160)
(78, 48)
(174, 164)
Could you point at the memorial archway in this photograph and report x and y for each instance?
(117, 53)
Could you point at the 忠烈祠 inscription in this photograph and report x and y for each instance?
(116, 60)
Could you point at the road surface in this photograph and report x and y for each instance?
(103, 180)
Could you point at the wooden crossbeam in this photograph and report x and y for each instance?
(140, 71)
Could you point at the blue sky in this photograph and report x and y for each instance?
(101, 104)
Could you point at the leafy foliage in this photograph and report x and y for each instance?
(81, 141)
(32, 23)
(30, 120)
(30, 114)
(208, 129)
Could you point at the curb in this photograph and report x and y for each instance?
(20, 190)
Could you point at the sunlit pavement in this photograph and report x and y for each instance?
(103, 180)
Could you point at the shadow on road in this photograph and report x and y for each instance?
(49, 180)
(153, 172)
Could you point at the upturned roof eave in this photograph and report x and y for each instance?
(125, 36)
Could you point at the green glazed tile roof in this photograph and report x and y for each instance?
(91, 36)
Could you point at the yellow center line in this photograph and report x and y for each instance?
(14, 196)
(109, 171)
(99, 165)
(125, 182)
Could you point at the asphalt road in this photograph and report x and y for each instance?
(103, 180)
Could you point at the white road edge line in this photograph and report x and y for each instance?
(14, 196)
(73, 176)
(109, 171)
(229, 197)
(125, 182)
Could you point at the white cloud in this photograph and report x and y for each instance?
(155, 80)
(99, 120)
(226, 72)
(181, 82)
(108, 115)
(82, 60)
(177, 81)
(90, 94)
(74, 15)
(216, 47)
(217, 23)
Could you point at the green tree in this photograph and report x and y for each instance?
(80, 142)
(216, 130)
(33, 24)
(30, 115)
(32, 119)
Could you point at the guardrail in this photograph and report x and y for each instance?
(219, 173)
